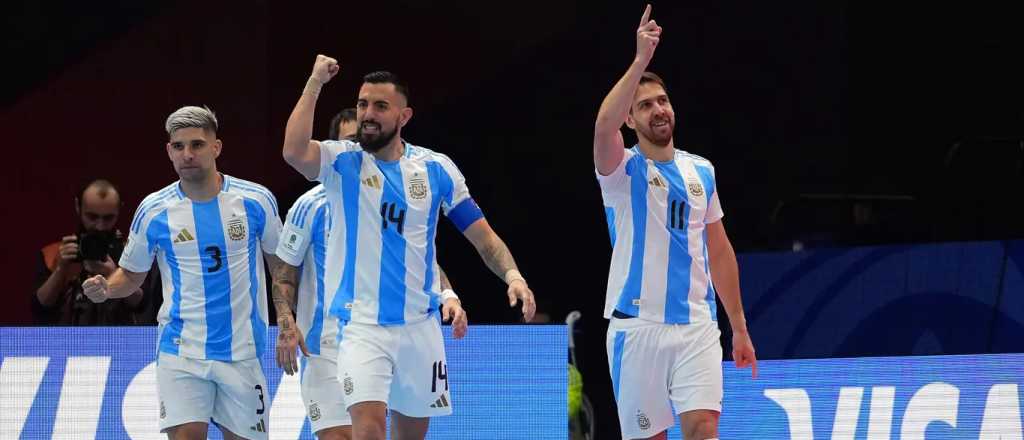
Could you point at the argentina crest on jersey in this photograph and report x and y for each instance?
(417, 186)
(694, 186)
(236, 228)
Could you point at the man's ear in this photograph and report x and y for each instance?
(405, 116)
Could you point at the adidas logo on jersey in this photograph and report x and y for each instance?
(184, 236)
(658, 182)
(441, 403)
(372, 182)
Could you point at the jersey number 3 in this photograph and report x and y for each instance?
(215, 254)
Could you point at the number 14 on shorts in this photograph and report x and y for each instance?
(440, 372)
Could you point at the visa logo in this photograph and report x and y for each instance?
(936, 402)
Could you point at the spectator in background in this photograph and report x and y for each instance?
(343, 125)
(92, 250)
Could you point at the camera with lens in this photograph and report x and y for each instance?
(97, 245)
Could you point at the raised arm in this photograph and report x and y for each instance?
(300, 151)
(608, 143)
(499, 259)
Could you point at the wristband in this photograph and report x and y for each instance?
(447, 294)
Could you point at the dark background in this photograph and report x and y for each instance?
(910, 117)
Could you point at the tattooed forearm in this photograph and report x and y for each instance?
(497, 257)
(286, 280)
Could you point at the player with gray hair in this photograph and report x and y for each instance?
(191, 116)
(210, 234)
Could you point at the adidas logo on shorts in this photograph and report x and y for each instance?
(441, 403)
(260, 427)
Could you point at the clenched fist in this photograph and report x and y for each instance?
(96, 288)
(325, 68)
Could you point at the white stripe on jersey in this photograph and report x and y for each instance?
(304, 243)
(384, 220)
(659, 271)
(211, 264)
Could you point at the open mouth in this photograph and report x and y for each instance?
(370, 128)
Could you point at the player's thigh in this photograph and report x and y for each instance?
(365, 363)
(421, 386)
(696, 382)
(243, 400)
(323, 395)
(639, 362)
(185, 395)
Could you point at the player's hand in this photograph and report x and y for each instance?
(452, 309)
(104, 268)
(325, 68)
(647, 37)
(743, 352)
(519, 291)
(68, 251)
(96, 288)
(289, 337)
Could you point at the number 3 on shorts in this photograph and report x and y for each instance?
(263, 406)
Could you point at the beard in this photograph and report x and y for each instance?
(374, 142)
(653, 134)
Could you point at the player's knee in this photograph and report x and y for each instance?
(704, 428)
(369, 432)
(335, 433)
(187, 431)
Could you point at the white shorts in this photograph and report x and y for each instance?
(321, 393)
(234, 395)
(652, 364)
(403, 366)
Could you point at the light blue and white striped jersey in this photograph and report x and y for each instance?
(380, 252)
(210, 260)
(657, 212)
(304, 244)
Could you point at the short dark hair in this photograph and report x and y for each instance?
(346, 115)
(103, 189)
(647, 77)
(383, 76)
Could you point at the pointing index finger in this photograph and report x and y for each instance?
(647, 15)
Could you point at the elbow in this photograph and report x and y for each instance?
(289, 156)
(604, 128)
(292, 156)
(43, 300)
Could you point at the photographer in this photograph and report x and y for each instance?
(93, 249)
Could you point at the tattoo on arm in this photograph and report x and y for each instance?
(497, 257)
(286, 283)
